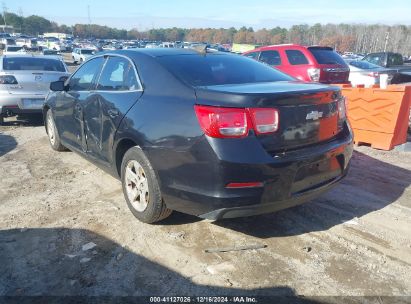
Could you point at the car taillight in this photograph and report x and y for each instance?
(222, 122)
(265, 120)
(314, 74)
(342, 112)
(374, 74)
(8, 79)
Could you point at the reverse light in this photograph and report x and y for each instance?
(222, 122)
(342, 108)
(314, 74)
(8, 79)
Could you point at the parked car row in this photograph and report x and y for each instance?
(324, 65)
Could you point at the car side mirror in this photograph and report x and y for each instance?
(63, 78)
(57, 86)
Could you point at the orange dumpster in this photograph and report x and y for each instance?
(378, 117)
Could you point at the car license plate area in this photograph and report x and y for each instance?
(315, 175)
(32, 103)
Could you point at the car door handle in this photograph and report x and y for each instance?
(113, 113)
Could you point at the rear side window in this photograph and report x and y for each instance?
(395, 59)
(32, 64)
(327, 56)
(296, 57)
(118, 75)
(217, 69)
(253, 55)
(83, 79)
(270, 57)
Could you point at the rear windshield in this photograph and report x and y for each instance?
(14, 48)
(216, 69)
(365, 65)
(327, 56)
(32, 64)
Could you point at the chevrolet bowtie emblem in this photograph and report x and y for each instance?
(314, 115)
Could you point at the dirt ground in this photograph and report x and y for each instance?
(65, 230)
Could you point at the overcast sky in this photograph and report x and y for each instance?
(215, 13)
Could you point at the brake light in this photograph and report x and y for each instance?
(374, 74)
(265, 120)
(314, 74)
(8, 79)
(221, 122)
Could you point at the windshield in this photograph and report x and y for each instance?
(32, 64)
(87, 52)
(216, 69)
(365, 65)
(327, 56)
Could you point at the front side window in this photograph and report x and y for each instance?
(296, 57)
(118, 75)
(375, 59)
(83, 79)
(270, 57)
(253, 55)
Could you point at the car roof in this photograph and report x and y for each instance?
(157, 52)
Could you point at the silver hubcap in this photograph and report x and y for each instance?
(50, 130)
(137, 186)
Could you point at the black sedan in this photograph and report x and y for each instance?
(214, 135)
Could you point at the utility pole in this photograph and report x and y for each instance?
(4, 14)
(89, 20)
(387, 37)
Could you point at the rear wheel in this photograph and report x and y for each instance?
(141, 189)
(53, 134)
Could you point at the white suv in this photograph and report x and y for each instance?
(81, 55)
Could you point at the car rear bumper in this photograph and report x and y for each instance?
(263, 208)
(288, 179)
(15, 104)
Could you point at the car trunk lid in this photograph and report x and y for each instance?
(33, 82)
(308, 113)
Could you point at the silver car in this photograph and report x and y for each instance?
(25, 82)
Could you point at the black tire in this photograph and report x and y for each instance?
(156, 209)
(56, 143)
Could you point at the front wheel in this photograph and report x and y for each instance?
(141, 189)
(52, 133)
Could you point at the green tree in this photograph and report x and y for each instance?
(36, 25)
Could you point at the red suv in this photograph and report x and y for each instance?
(313, 63)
